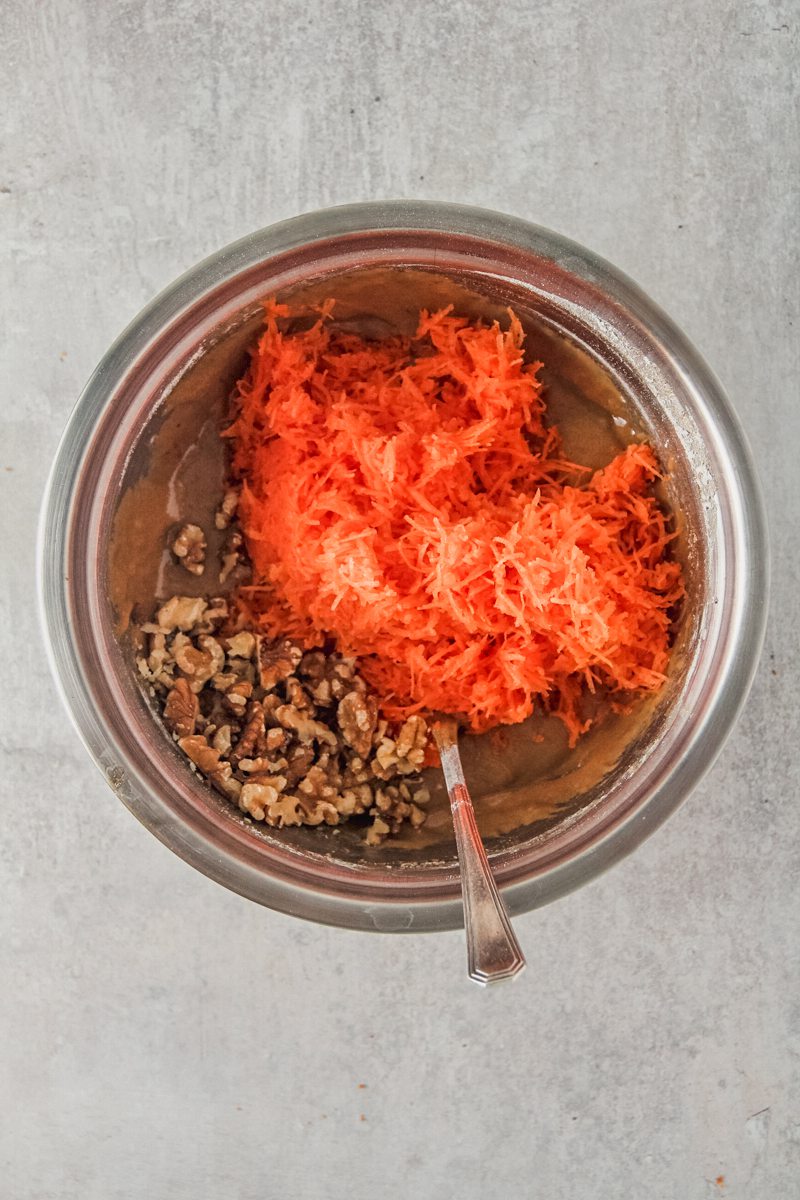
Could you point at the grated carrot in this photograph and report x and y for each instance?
(405, 497)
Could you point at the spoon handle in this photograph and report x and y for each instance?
(493, 952)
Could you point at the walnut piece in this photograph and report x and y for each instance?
(253, 731)
(214, 616)
(315, 786)
(181, 612)
(276, 661)
(222, 740)
(416, 816)
(285, 810)
(181, 709)
(205, 757)
(377, 832)
(317, 811)
(236, 697)
(227, 509)
(241, 645)
(357, 715)
(232, 554)
(256, 798)
(305, 727)
(189, 548)
(412, 740)
(199, 663)
(276, 739)
(355, 799)
(300, 761)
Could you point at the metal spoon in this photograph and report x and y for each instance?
(493, 952)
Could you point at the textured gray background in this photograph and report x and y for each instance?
(164, 1038)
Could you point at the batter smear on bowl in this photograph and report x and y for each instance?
(404, 505)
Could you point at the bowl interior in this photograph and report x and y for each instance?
(530, 789)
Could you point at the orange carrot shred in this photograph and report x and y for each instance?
(405, 497)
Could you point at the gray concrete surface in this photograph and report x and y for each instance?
(163, 1038)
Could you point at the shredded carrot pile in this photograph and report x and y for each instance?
(405, 497)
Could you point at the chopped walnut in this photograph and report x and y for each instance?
(356, 772)
(224, 680)
(385, 760)
(189, 548)
(256, 798)
(412, 740)
(214, 616)
(236, 697)
(222, 739)
(355, 800)
(321, 692)
(306, 729)
(181, 709)
(297, 696)
(199, 663)
(181, 612)
(276, 739)
(228, 785)
(241, 645)
(285, 810)
(227, 509)
(315, 786)
(317, 811)
(300, 761)
(253, 730)
(291, 737)
(276, 661)
(232, 554)
(202, 755)
(357, 715)
(159, 654)
(377, 832)
(343, 679)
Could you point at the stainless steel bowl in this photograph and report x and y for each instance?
(678, 403)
